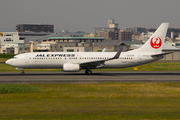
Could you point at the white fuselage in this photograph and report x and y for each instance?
(42, 60)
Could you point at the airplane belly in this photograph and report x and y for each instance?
(45, 64)
(119, 64)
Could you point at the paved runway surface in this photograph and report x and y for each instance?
(80, 77)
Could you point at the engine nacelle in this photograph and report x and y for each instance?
(68, 67)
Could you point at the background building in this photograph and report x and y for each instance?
(10, 37)
(125, 35)
(110, 46)
(76, 39)
(110, 32)
(135, 30)
(35, 28)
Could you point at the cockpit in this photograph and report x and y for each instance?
(15, 58)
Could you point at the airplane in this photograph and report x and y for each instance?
(75, 61)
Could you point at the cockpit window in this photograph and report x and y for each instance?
(15, 58)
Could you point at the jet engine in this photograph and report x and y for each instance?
(68, 67)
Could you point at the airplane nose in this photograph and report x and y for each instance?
(9, 62)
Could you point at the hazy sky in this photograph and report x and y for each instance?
(84, 15)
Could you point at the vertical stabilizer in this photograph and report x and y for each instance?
(156, 41)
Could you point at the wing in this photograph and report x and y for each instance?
(99, 63)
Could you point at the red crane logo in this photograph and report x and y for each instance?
(156, 42)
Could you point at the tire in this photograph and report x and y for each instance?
(88, 72)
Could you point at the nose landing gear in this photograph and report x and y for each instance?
(21, 70)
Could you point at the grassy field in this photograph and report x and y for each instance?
(127, 101)
(141, 101)
(156, 66)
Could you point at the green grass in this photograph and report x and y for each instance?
(7, 55)
(13, 88)
(3, 59)
(94, 101)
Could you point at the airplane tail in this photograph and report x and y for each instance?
(156, 41)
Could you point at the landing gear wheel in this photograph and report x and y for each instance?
(88, 72)
(22, 73)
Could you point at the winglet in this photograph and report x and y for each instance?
(104, 50)
(117, 54)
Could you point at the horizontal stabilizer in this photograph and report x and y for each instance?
(161, 54)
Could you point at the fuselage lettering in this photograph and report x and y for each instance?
(55, 55)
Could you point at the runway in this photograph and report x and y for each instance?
(80, 77)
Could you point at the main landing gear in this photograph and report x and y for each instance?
(22, 73)
(88, 72)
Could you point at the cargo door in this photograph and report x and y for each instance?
(139, 58)
(26, 59)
